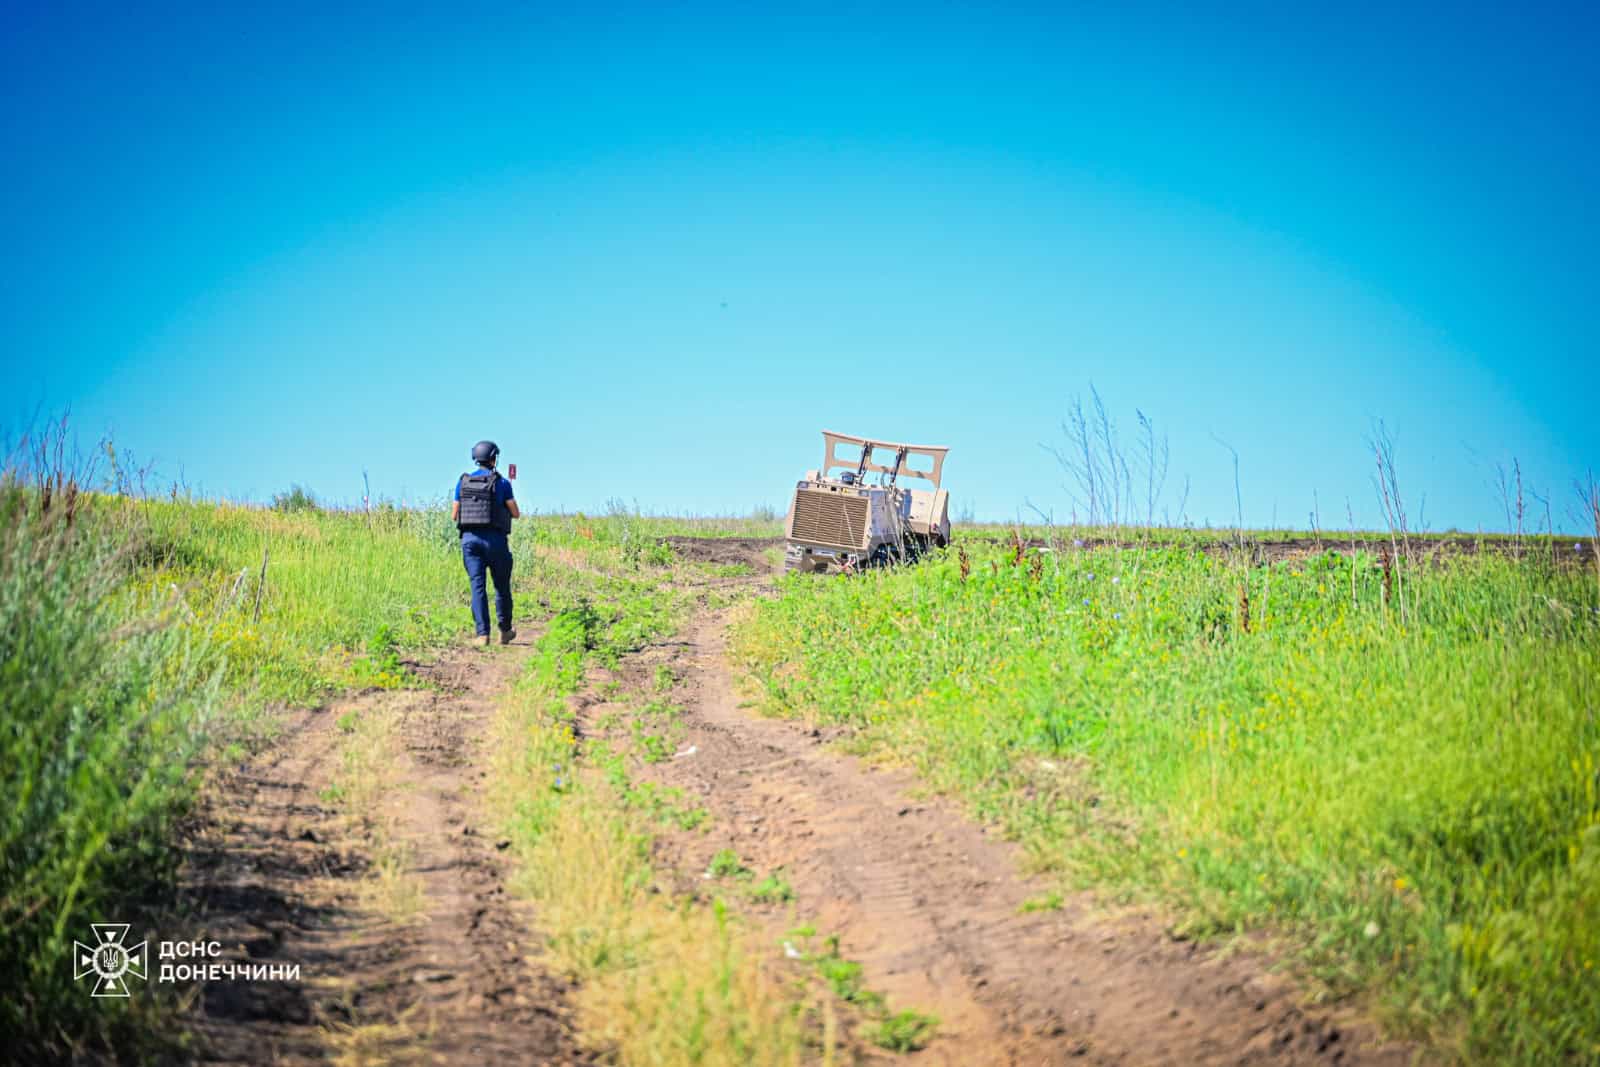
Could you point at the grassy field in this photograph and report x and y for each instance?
(1399, 773)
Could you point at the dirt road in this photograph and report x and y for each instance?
(925, 899)
(436, 970)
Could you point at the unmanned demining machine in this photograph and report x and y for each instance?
(843, 521)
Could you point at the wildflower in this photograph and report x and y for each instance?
(1116, 614)
(1182, 852)
(1116, 580)
(1371, 931)
(1400, 884)
(1089, 576)
(1085, 601)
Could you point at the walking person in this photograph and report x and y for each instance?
(483, 511)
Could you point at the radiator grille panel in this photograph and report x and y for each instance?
(837, 520)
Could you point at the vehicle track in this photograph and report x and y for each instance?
(276, 871)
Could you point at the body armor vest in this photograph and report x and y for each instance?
(481, 506)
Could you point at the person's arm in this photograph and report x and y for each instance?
(511, 499)
(455, 511)
(511, 506)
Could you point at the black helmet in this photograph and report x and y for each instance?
(484, 453)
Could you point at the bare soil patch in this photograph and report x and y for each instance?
(750, 551)
(276, 871)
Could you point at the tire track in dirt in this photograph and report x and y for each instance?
(929, 903)
(277, 873)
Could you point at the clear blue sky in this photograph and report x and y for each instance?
(654, 250)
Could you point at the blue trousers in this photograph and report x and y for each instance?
(488, 555)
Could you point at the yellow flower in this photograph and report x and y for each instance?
(1182, 852)
(1400, 884)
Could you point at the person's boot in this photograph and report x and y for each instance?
(481, 639)
(506, 635)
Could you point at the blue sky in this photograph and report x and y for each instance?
(654, 250)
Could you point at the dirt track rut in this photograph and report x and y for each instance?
(279, 872)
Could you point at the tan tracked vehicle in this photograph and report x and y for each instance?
(846, 521)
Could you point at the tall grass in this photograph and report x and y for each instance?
(103, 702)
(137, 639)
(1414, 801)
(293, 597)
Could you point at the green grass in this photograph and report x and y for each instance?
(773, 889)
(342, 591)
(1083, 535)
(726, 864)
(1042, 902)
(904, 1031)
(897, 1031)
(664, 805)
(104, 701)
(1404, 783)
(845, 978)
